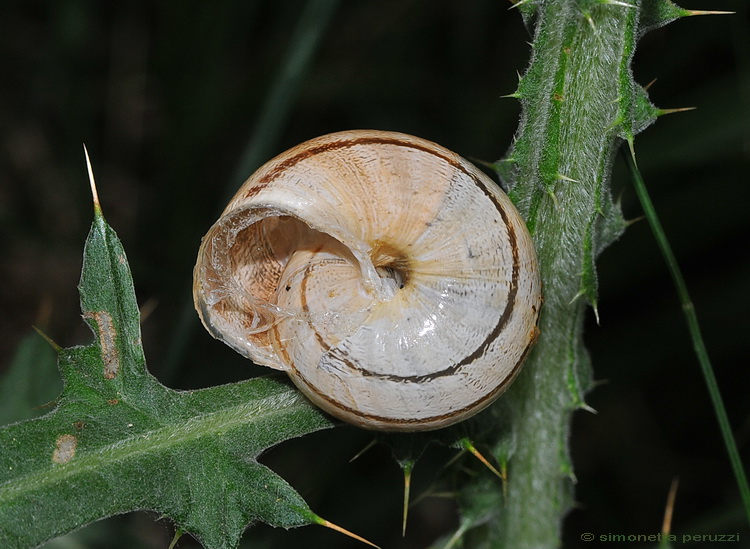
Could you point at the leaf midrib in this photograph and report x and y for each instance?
(163, 438)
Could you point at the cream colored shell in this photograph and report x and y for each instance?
(393, 282)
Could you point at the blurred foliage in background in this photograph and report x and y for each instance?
(167, 96)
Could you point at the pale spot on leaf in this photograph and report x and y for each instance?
(65, 448)
(107, 341)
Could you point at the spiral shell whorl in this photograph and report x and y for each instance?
(392, 280)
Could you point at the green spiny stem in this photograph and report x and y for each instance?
(578, 99)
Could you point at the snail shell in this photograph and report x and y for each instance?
(393, 282)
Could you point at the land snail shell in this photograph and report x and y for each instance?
(393, 282)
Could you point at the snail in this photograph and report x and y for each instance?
(392, 281)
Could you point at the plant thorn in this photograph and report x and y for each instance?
(647, 86)
(689, 13)
(408, 467)
(599, 382)
(566, 178)
(147, 308)
(488, 165)
(460, 531)
(589, 20)
(660, 112)
(369, 445)
(587, 408)
(177, 535)
(666, 526)
(635, 220)
(575, 297)
(44, 313)
(595, 306)
(48, 339)
(97, 205)
(467, 445)
(618, 200)
(518, 3)
(323, 522)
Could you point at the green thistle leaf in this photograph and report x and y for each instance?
(119, 441)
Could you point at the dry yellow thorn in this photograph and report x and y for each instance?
(337, 528)
(97, 206)
(470, 447)
(707, 12)
(666, 526)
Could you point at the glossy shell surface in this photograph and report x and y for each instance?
(393, 282)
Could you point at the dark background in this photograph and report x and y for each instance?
(167, 96)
